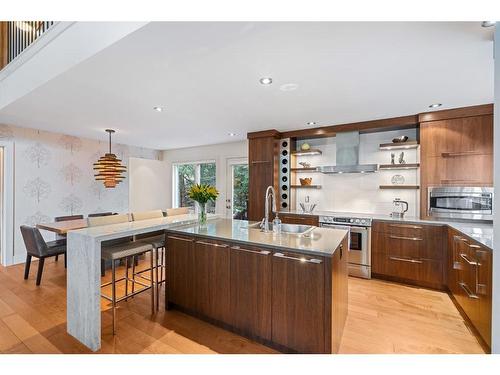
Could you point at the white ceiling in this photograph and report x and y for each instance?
(206, 75)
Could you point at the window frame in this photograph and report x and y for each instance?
(197, 177)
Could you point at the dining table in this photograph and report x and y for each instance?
(63, 227)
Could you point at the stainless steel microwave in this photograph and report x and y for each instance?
(469, 203)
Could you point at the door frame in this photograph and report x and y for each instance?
(228, 212)
(7, 222)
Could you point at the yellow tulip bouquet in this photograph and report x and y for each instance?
(202, 193)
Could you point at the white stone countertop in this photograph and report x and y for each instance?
(319, 242)
(113, 231)
(481, 232)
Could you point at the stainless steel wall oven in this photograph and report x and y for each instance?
(469, 203)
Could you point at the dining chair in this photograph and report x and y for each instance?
(37, 247)
(123, 249)
(157, 240)
(65, 218)
(177, 211)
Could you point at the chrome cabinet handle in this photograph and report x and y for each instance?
(261, 252)
(180, 238)
(467, 290)
(457, 180)
(304, 260)
(474, 246)
(406, 238)
(471, 262)
(211, 244)
(405, 226)
(405, 260)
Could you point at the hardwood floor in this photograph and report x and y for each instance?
(383, 318)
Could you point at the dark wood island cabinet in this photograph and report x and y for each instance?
(295, 302)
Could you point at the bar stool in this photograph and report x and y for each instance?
(123, 249)
(157, 240)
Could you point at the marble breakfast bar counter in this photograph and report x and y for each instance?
(84, 271)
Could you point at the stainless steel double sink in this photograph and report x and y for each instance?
(287, 228)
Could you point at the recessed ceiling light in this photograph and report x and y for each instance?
(488, 23)
(232, 134)
(158, 109)
(311, 123)
(435, 105)
(266, 80)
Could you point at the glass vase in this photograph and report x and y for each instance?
(202, 213)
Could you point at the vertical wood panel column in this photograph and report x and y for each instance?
(263, 172)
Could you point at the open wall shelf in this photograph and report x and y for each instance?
(312, 151)
(400, 187)
(399, 146)
(310, 169)
(399, 166)
(305, 186)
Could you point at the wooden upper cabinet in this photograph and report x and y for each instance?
(262, 162)
(456, 149)
(460, 137)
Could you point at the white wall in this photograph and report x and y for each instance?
(360, 193)
(147, 185)
(496, 220)
(53, 176)
(220, 153)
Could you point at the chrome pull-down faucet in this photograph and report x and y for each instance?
(265, 221)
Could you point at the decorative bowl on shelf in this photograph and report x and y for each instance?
(305, 181)
(305, 147)
(401, 139)
(305, 164)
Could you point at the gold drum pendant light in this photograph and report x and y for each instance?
(109, 168)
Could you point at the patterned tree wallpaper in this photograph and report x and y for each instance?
(54, 177)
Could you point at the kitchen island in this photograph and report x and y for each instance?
(288, 291)
(84, 271)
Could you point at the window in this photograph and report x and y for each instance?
(188, 174)
(239, 188)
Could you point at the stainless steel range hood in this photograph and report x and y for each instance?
(347, 145)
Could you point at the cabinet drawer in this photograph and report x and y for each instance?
(299, 219)
(425, 272)
(408, 229)
(417, 247)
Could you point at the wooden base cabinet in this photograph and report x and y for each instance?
(291, 301)
(251, 286)
(412, 253)
(299, 302)
(299, 219)
(470, 282)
